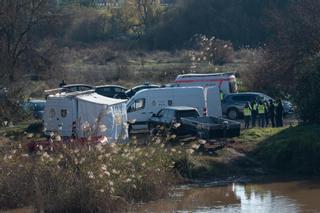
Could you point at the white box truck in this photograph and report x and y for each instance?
(145, 103)
(81, 114)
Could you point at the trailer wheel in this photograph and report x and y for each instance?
(233, 114)
(153, 132)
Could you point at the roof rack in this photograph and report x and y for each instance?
(69, 94)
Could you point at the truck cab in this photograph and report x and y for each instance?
(169, 116)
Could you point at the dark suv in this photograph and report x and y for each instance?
(131, 92)
(112, 91)
(233, 104)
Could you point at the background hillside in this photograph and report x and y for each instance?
(272, 43)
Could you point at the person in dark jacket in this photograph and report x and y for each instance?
(62, 83)
(279, 113)
(247, 113)
(271, 112)
(261, 114)
(266, 113)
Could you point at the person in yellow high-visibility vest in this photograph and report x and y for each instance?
(247, 112)
(261, 113)
(221, 95)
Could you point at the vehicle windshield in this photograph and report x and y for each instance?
(37, 106)
(267, 98)
(187, 113)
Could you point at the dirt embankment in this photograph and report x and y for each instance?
(281, 151)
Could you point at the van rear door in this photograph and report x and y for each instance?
(59, 116)
(191, 97)
(213, 102)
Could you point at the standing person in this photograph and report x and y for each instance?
(62, 83)
(279, 113)
(254, 112)
(266, 113)
(221, 95)
(261, 114)
(247, 115)
(271, 112)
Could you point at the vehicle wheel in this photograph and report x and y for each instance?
(129, 129)
(153, 132)
(233, 114)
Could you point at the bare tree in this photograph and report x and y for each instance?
(149, 12)
(18, 18)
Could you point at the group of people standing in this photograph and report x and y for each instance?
(263, 113)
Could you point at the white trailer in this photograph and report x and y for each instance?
(84, 114)
(226, 82)
(147, 102)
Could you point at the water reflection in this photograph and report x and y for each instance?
(287, 197)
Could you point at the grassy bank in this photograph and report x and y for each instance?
(292, 150)
(269, 151)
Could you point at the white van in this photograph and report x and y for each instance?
(145, 103)
(226, 82)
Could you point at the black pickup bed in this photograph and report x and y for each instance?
(212, 127)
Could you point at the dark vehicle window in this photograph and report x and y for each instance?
(187, 113)
(266, 98)
(137, 105)
(233, 87)
(105, 91)
(39, 106)
(160, 114)
(76, 88)
(117, 89)
(243, 98)
(168, 116)
(71, 89)
(84, 88)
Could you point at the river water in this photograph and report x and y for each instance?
(282, 197)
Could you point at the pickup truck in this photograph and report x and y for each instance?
(182, 120)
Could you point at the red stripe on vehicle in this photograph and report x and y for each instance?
(203, 80)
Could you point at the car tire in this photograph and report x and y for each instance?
(233, 114)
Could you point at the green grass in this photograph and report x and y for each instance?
(23, 129)
(258, 134)
(16, 130)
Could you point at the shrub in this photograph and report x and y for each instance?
(71, 177)
(88, 26)
(212, 50)
(307, 92)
